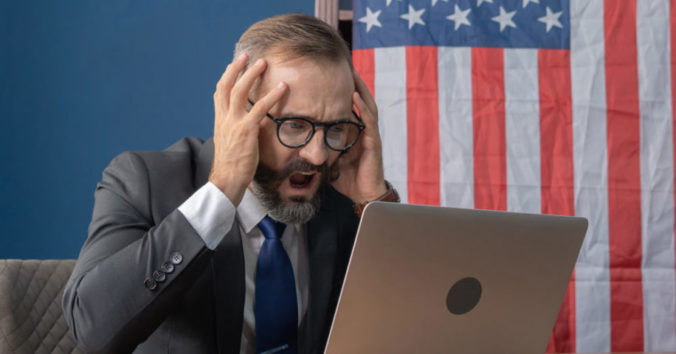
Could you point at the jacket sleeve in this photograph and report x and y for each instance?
(132, 270)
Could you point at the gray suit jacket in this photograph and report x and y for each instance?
(198, 308)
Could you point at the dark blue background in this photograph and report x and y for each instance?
(82, 81)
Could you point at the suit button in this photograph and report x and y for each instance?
(176, 258)
(150, 284)
(159, 276)
(167, 268)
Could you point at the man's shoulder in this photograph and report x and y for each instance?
(159, 181)
(187, 154)
(190, 147)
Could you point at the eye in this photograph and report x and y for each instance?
(337, 129)
(295, 125)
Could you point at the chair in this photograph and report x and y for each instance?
(31, 320)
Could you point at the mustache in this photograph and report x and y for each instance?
(264, 174)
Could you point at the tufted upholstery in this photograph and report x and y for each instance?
(31, 320)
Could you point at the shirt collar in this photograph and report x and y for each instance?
(250, 212)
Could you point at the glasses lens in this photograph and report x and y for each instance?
(342, 135)
(294, 132)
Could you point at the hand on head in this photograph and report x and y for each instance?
(361, 168)
(236, 128)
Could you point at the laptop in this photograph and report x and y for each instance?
(428, 279)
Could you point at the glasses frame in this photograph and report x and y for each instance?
(280, 121)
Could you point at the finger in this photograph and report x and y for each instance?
(227, 80)
(365, 112)
(365, 93)
(240, 92)
(259, 110)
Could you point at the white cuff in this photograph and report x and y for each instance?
(210, 213)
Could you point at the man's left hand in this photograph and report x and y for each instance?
(361, 168)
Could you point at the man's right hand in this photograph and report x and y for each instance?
(236, 152)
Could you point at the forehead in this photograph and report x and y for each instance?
(318, 89)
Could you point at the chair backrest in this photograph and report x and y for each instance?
(31, 320)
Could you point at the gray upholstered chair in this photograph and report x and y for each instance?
(31, 320)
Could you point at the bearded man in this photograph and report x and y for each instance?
(239, 243)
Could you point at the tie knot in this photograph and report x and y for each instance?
(271, 228)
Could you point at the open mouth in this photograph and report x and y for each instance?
(301, 179)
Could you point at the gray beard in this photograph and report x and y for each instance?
(298, 210)
(295, 211)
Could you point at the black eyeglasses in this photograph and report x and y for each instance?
(295, 132)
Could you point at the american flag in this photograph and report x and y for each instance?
(544, 106)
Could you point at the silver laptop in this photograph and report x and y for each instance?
(442, 280)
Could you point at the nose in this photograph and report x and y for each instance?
(315, 151)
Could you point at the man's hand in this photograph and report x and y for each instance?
(361, 168)
(236, 129)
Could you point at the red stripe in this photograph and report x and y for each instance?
(364, 64)
(556, 161)
(488, 107)
(422, 130)
(624, 180)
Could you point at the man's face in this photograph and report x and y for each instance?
(288, 179)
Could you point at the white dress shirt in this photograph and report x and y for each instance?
(212, 215)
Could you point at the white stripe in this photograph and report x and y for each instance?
(657, 175)
(522, 130)
(390, 96)
(592, 274)
(455, 127)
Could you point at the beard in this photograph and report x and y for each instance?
(296, 210)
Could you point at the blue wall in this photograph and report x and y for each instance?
(81, 81)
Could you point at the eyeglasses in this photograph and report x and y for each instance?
(295, 132)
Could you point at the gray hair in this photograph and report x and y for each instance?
(293, 36)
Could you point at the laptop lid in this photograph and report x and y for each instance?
(428, 279)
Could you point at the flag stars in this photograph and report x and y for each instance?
(479, 2)
(413, 16)
(551, 19)
(505, 19)
(434, 2)
(459, 17)
(371, 19)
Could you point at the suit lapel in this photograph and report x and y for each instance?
(321, 236)
(227, 266)
(203, 164)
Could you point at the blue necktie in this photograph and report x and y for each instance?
(276, 304)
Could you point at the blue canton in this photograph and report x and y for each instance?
(537, 24)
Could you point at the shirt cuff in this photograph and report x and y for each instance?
(210, 213)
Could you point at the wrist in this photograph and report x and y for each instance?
(233, 190)
(374, 193)
(390, 195)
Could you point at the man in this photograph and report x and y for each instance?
(181, 256)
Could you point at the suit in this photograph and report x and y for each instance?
(115, 301)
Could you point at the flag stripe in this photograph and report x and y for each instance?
(455, 126)
(364, 64)
(423, 125)
(488, 110)
(592, 274)
(390, 95)
(522, 130)
(624, 181)
(657, 203)
(557, 168)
